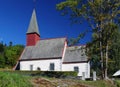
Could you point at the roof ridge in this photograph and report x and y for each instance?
(53, 38)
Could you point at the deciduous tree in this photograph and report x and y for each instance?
(103, 17)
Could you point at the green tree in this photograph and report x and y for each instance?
(2, 61)
(114, 54)
(12, 54)
(102, 16)
(1, 48)
(10, 43)
(74, 41)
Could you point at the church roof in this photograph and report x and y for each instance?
(33, 26)
(75, 54)
(44, 49)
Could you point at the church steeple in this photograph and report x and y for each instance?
(33, 34)
(33, 26)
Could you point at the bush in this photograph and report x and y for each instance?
(117, 83)
(56, 74)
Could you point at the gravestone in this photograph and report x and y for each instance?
(83, 75)
(94, 76)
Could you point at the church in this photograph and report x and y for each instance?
(52, 54)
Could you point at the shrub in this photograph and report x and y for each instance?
(117, 83)
(56, 74)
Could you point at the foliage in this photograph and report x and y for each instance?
(59, 74)
(9, 55)
(113, 49)
(14, 80)
(56, 74)
(1, 48)
(12, 54)
(2, 61)
(117, 83)
(103, 16)
(74, 41)
(114, 55)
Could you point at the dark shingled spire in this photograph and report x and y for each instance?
(33, 26)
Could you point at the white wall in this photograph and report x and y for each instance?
(83, 67)
(88, 64)
(43, 64)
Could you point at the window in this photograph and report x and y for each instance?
(38, 68)
(31, 67)
(76, 69)
(82, 54)
(52, 66)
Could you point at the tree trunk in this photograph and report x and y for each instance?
(101, 55)
(106, 62)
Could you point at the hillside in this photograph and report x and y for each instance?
(53, 82)
(8, 79)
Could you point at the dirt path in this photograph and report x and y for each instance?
(42, 82)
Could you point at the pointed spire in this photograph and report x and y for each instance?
(33, 26)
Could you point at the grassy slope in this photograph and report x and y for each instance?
(53, 82)
(11, 79)
(100, 83)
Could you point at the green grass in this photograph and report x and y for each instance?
(8, 79)
(99, 83)
(117, 83)
(15, 79)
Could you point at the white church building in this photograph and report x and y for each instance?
(52, 54)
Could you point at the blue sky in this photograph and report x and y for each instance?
(15, 17)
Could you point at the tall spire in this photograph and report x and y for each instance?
(33, 26)
(33, 35)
